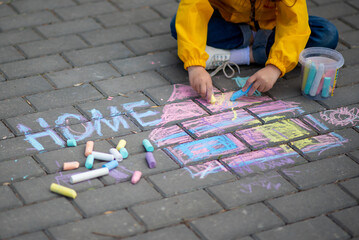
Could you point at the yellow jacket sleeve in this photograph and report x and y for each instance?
(192, 26)
(291, 36)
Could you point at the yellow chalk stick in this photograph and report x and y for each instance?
(121, 144)
(68, 192)
(213, 99)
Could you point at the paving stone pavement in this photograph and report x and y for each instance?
(276, 166)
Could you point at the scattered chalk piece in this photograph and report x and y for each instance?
(103, 156)
(89, 161)
(65, 191)
(110, 165)
(121, 144)
(71, 165)
(89, 175)
(148, 146)
(116, 154)
(89, 148)
(124, 153)
(71, 143)
(136, 177)
(151, 161)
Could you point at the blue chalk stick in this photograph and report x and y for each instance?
(124, 152)
(148, 146)
(71, 143)
(240, 93)
(89, 161)
(111, 165)
(310, 79)
(326, 86)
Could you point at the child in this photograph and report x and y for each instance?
(272, 33)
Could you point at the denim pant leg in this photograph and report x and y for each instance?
(223, 34)
(323, 34)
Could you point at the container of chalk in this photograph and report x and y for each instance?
(320, 68)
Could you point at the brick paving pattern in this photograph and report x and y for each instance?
(278, 166)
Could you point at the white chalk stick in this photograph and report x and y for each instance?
(116, 154)
(103, 156)
(89, 175)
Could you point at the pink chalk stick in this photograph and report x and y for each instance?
(136, 177)
(71, 165)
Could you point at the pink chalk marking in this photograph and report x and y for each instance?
(342, 116)
(179, 111)
(181, 91)
(165, 136)
(205, 169)
(223, 102)
(109, 98)
(322, 143)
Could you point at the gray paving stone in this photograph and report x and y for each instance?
(36, 217)
(5, 132)
(251, 190)
(319, 228)
(85, 10)
(333, 119)
(18, 36)
(63, 97)
(23, 86)
(53, 160)
(19, 170)
(112, 35)
(152, 44)
(26, 6)
(70, 27)
(347, 76)
(38, 189)
(351, 38)
(98, 54)
(341, 47)
(167, 10)
(52, 118)
(27, 20)
(52, 46)
(115, 197)
(34, 66)
(311, 203)
(101, 128)
(350, 56)
(334, 10)
(352, 186)
(236, 223)
(8, 199)
(145, 63)
(341, 26)
(10, 54)
(178, 232)
(286, 89)
(128, 17)
(331, 144)
(191, 178)
(14, 106)
(354, 3)
(138, 162)
(107, 106)
(126, 5)
(263, 160)
(120, 224)
(5, 11)
(32, 236)
(352, 20)
(324, 171)
(131, 83)
(354, 155)
(349, 218)
(156, 27)
(174, 74)
(67, 78)
(274, 133)
(220, 123)
(172, 210)
(169, 114)
(282, 109)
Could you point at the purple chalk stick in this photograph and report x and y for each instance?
(151, 161)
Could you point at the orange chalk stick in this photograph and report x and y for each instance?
(71, 165)
(89, 148)
(136, 177)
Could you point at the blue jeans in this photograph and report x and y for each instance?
(227, 35)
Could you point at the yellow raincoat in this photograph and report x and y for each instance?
(291, 22)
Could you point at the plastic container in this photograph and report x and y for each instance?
(320, 67)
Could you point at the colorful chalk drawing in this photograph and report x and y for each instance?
(202, 170)
(277, 110)
(206, 149)
(220, 123)
(166, 136)
(277, 132)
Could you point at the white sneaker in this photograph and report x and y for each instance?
(216, 57)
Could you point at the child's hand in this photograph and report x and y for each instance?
(200, 81)
(263, 79)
